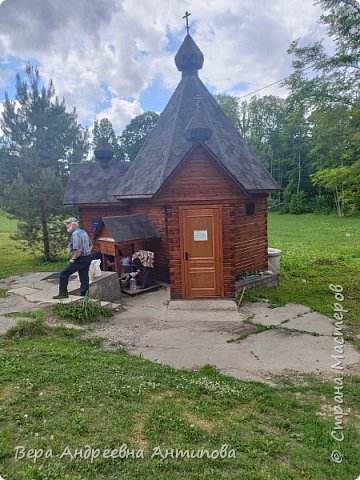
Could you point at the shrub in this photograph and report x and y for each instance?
(298, 203)
(88, 311)
(321, 204)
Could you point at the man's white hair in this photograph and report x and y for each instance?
(72, 220)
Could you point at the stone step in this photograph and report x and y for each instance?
(105, 304)
(203, 305)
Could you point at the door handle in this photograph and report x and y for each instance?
(186, 256)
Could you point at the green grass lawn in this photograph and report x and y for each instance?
(317, 250)
(15, 258)
(59, 391)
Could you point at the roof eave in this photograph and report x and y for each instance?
(107, 202)
(264, 190)
(130, 197)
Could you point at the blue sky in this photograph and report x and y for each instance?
(115, 58)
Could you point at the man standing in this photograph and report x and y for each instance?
(80, 247)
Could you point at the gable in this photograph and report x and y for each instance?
(168, 144)
(200, 177)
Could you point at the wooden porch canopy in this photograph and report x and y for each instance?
(113, 231)
(126, 228)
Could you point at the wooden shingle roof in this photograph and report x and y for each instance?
(191, 116)
(91, 183)
(169, 141)
(127, 228)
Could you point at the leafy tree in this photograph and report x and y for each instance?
(331, 137)
(264, 125)
(325, 79)
(325, 87)
(104, 129)
(40, 140)
(310, 141)
(135, 134)
(230, 105)
(336, 148)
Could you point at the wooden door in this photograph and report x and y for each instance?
(201, 252)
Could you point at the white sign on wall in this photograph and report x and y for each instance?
(200, 235)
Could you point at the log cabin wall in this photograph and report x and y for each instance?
(228, 233)
(250, 243)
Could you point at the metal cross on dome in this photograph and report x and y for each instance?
(186, 16)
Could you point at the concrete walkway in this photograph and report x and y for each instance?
(190, 334)
(254, 343)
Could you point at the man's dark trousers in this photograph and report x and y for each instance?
(80, 265)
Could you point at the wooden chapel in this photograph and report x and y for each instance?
(195, 194)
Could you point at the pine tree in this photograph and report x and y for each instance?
(41, 139)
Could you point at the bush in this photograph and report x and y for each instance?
(284, 208)
(298, 203)
(321, 204)
(88, 311)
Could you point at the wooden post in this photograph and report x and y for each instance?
(104, 262)
(117, 261)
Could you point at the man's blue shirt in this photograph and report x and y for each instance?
(80, 240)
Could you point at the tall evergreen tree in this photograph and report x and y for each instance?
(40, 140)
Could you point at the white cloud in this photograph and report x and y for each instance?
(250, 40)
(105, 51)
(120, 113)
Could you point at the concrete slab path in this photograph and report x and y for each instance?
(254, 343)
(296, 340)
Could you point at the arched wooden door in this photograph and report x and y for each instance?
(201, 252)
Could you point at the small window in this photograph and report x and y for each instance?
(250, 209)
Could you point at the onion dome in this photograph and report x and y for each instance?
(103, 152)
(189, 58)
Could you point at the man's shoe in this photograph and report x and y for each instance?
(59, 297)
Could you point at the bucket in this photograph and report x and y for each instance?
(274, 255)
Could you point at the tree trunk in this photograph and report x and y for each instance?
(299, 174)
(45, 234)
(338, 204)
